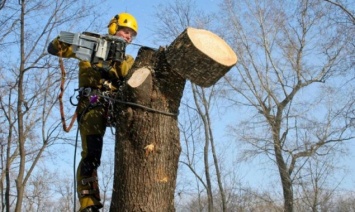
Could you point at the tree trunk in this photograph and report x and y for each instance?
(20, 186)
(147, 135)
(285, 179)
(148, 145)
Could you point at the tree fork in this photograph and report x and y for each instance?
(147, 141)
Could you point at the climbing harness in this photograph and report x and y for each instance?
(96, 98)
(108, 100)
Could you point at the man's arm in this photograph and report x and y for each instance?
(53, 49)
(126, 66)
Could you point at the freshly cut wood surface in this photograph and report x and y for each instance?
(138, 77)
(200, 56)
(140, 86)
(213, 46)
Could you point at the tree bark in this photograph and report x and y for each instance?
(285, 177)
(147, 135)
(148, 145)
(200, 56)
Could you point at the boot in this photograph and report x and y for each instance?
(89, 194)
(90, 209)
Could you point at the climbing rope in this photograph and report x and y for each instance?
(60, 97)
(138, 105)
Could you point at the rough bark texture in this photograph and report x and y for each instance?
(148, 145)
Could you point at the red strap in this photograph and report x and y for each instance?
(62, 83)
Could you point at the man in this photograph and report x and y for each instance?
(94, 79)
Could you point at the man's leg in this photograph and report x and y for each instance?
(87, 180)
(92, 129)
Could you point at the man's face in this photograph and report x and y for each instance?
(126, 33)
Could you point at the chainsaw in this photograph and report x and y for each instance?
(95, 47)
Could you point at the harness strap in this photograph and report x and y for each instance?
(89, 192)
(88, 180)
(140, 106)
(100, 98)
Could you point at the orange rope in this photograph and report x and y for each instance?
(62, 83)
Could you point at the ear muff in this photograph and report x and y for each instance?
(113, 26)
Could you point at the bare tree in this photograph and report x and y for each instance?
(199, 145)
(287, 50)
(63, 188)
(345, 203)
(29, 90)
(203, 106)
(313, 191)
(37, 196)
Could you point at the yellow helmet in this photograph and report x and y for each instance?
(122, 20)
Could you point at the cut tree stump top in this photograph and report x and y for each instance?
(213, 46)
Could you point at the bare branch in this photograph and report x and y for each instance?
(344, 9)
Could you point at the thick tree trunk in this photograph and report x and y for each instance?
(147, 137)
(148, 145)
(285, 177)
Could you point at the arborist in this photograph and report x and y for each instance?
(94, 113)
